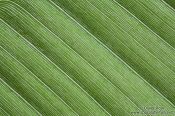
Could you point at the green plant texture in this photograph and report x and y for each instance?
(87, 57)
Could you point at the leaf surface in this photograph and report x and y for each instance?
(86, 57)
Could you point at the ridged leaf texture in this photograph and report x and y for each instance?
(87, 57)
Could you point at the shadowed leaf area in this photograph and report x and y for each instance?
(87, 57)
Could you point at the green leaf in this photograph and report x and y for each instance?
(171, 3)
(86, 57)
